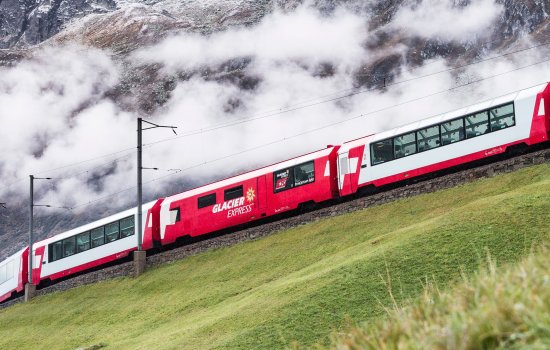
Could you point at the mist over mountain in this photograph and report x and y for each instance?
(246, 82)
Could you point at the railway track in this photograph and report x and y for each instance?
(265, 228)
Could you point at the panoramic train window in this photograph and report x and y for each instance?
(477, 124)
(91, 239)
(232, 193)
(111, 232)
(428, 138)
(404, 145)
(381, 151)
(452, 131)
(304, 174)
(56, 251)
(283, 180)
(174, 215)
(502, 117)
(68, 247)
(444, 134)
(127, 227)
(206, 201)
(98, 236)
(83, 242)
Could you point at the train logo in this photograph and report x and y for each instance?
(250, 195)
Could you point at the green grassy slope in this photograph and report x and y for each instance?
(495, 309)
(298, 285)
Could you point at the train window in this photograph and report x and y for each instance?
(98, 237)
(56, 251)
(83, 242)
(304, 174)
(206, 201)
(428, 138)
(68, 246)
(477, 124)
(443, 134)
(111, 232)
(381, 151)
(283, 180)
(502, 117)
(3, 274)
(232, 193)
(10, 270)
(452, 131)
(127, 227)
(404, 145)
(174, 215)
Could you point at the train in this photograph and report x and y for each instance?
(517, 120)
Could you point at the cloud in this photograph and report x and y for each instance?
(300, 36)
(53, 112)
(445, 20)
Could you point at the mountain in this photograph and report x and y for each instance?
(400, 35)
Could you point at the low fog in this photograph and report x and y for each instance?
(59, 121)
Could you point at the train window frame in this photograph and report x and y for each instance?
(493, 116)
(51, 250)
(438, 141)
(206, 201)
(283, 183)
(72, 240)
(372, 151)
(440, 125)
(309, 180)
(94, 230)
(87, 233)
(176, 218)
(117, 232)
(415, 142)
(476, 124)
(461, 137)
(233, 193)
(122, 230)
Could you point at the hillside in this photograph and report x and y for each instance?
(496, 308)
(299, 285)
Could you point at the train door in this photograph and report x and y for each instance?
(344, 183)
(262, 194)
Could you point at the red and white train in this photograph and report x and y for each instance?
(430, 145)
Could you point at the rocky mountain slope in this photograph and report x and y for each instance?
(124, 27)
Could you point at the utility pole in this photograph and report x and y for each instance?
(139, 255)
(30, 288)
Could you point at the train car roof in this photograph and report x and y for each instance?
(14, 255)
(94, 224)
(250, 174)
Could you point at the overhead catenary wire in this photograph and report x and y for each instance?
(353, 92)
(411, 70)
(325, 127)
(87, 170)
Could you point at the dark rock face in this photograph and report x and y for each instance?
(30, 22)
